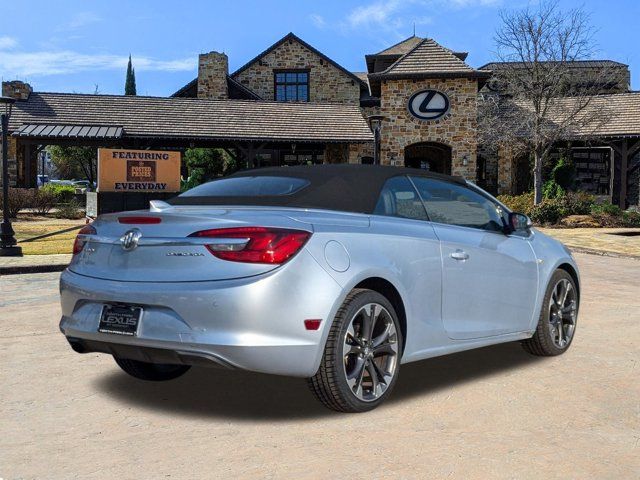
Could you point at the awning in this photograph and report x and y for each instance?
(35, 130)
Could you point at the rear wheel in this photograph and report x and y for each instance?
(361, 360)
(156, 372)
(557, 322)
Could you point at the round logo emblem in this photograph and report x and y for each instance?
(130, 239)
(428, 104)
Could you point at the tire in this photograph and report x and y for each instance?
(545, 342)
(155, 372)
(358, 371)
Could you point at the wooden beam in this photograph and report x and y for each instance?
(624, 160)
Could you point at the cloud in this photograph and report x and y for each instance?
(82, 19)
(7, 43)
(379, 12)
(23, 64)
(318, 20)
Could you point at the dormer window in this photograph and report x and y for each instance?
(292, 86)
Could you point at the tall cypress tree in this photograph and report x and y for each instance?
(130, 82)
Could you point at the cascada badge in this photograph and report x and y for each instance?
(428, 104)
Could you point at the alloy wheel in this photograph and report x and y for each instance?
(562, 313)
(370, 352)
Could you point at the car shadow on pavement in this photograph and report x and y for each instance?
(205, 392)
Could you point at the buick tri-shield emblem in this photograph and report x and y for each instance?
(130, 239)
(428, 104)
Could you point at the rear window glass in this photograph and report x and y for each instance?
(258, 186)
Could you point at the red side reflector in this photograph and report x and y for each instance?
(140, 220)
(313, 324)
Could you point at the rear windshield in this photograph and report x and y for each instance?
(258, 186)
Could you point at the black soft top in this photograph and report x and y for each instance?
(342, 187)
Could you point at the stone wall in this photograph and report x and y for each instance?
(456, 129)
(16, 89)
(326, 82)
(213, 68)
(20, 91)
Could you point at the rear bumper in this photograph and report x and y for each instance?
(254, 323)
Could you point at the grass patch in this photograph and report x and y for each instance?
(33, 226)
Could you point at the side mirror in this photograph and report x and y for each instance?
(519, 222)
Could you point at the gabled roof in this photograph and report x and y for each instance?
(292, 37)
(428, 59)
(190, 118)
(236, 90)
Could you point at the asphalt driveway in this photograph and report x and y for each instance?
(490, 413)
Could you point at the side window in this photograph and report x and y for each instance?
(398, 198)
(455, 204)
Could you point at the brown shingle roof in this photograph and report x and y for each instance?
(402, 47)
(620, 112)
(192, 118)
(430, 58)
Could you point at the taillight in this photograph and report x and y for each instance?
(78, 245)
(264, 245)
(139, 220)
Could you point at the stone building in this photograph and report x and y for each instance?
(416, 105)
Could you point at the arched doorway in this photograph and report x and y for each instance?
(432, 156)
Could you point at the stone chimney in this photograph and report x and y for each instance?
(16, 89)
(213, 68)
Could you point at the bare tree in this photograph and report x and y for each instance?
(538, 97)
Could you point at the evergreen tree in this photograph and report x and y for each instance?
(130, 83)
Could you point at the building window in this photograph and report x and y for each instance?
(292, 86)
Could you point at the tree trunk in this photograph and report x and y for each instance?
(537, 177)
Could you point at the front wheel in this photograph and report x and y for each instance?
(361, 359)
(155, 372)
(557, 322)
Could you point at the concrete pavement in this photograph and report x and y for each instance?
(490, 413)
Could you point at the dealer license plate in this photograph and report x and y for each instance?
(120, 319)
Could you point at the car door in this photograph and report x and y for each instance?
(489, 278)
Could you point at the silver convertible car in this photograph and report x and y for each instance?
(336, 273)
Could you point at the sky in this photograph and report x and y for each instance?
(83, 45)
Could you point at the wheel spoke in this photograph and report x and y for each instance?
(382, 338)
(384, 349)
(382, 376)
(560, 332)
(367, 324)
(375, 381)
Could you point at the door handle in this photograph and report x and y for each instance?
(459, 255)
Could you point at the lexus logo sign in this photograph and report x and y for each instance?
(428, 104)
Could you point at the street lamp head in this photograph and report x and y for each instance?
(6, 103)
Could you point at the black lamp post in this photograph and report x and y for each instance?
(376, 122)
(8, 247)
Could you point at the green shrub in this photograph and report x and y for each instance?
(551, 189)
(43, 201)
(631, 218)
(606, 209)
(71, 210)
(19, 199)
(63, 193)
(518, 203)
(548, 212)
(578, 203)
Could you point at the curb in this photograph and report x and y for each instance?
(20, 269)
(602, 253)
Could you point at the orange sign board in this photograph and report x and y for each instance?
(122, 170)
